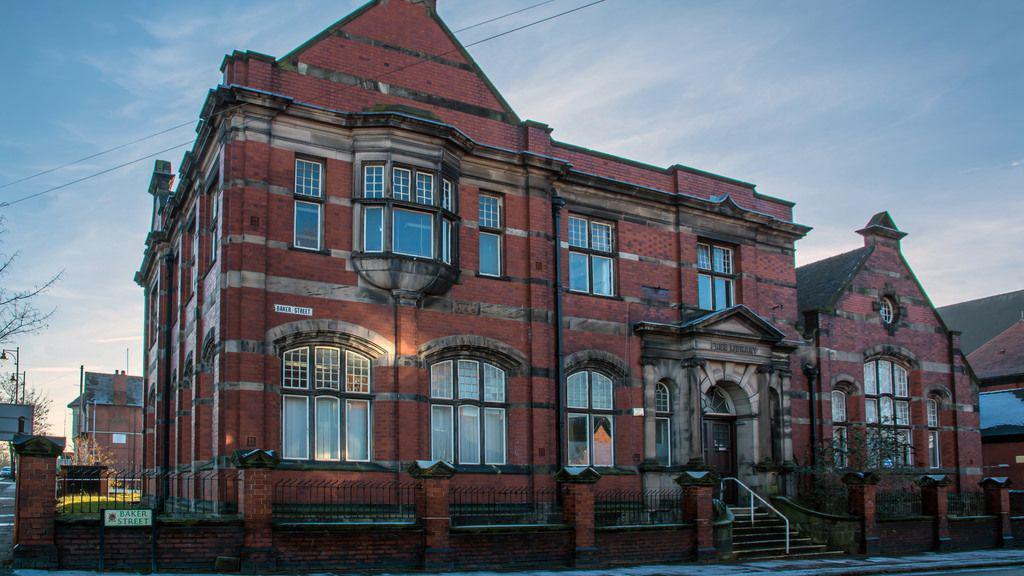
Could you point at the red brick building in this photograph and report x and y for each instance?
(999, 365)
(109, 411)
(369, 259)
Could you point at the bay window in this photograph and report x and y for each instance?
(330, 387)
(591, 257)
(467, 412)
(308, 220)
(590, 425)
(715, 277)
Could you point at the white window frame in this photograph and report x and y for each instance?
(591, 412)
(708, 268)
(394, 233)
(316, 431)
(319, 226)
(584, 248)
(452, 396)
(284, 427)
(320, 179)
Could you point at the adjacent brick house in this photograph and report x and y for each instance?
(109, 411)
(360, 272)
(999, 365)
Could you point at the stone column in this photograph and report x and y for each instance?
(256, 507)
(650, 416)
(698, 490)
(997, 503)
(861, 487)
(934, 491)
(34, 501)
(692, 403)
(433, 479)
(764, 414)
(577, 487)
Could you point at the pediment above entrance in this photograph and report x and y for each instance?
(736, 333)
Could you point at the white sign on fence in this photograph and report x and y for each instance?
(286, 309)
(127, 517)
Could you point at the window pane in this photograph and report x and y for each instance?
(469, 379)
(578, 434)
(413, 233)
(723, 260)
(602, 391)
(603, 441)
(446, 195)
(357, 426)
(933, 413)
(307, 225)
(400, 179)
(601, 237)
(446, 241)
(295, 443)
(424, 188)
(869, 379)
(935, 458)
(884, 377)
(490, 254)
(357, 373)
(328, 368)
(662, 399)
(441, 380)
(723, 293)
(662, 441)
(373, 229)
(704, 292)
(469, 435)
(885, 405)
(839, 447)
(577, 232)
(576, 391)
(579, 278)
(838, 406)
(373, 182)
(441, 433)
(296, 368)
(902, 413)
(871, 410)
(703, 257)
(490, 212)
(904, 446)
(328, 421)
(603, 284)
(307, 178)
(494, 384)
(901, 388)
(494, 436)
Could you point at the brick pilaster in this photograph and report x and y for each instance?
(577, 491)
(698, 491)
(934, 503)
(256, 507)
(34, 501)
(434, 483)
(997, 503)
(861, 488)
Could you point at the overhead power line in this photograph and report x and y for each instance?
(328, 93)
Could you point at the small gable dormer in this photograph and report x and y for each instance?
(881, 230)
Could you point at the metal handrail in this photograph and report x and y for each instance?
(721, 487)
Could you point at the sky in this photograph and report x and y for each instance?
(846, 108)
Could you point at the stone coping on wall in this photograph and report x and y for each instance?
(646, 527)
(497, 528)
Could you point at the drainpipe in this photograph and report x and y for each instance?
(951, 338)
(557, 203)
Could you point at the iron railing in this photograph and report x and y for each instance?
(965, 503)
(898, 504)
(87, 490)
(345, 501)
(486, 505)
(638, 507)
(823, 492)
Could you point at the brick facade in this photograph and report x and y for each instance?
(109, 411)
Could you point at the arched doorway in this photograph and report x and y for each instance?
(719, 434)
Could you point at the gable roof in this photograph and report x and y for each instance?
(819, 284)
(1002, 413)
(99, 389)
(982, 319)
(1002, 355)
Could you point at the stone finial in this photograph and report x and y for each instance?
(256, 458)
(577, 475)
(867, 478)
(697, 478)
(28, 445)
(937, 480)
(995, 482)
(423, 469)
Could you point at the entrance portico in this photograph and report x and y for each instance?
(727, 373)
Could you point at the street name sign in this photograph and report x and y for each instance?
(127, 517)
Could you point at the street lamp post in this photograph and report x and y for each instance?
(17, 371)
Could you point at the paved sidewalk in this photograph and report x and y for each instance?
(824, 567)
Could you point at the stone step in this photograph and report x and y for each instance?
(810, 555)
(766, 536)
(780, 527)
(771, 543)
(749, 553)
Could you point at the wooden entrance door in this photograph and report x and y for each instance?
(720, 451)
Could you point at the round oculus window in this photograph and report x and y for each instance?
(887, 311)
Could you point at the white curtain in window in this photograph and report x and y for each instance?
(441, 431)
(494, 384)
(578, 440)
(494, 436)
(441, 380)
(469, 434)
(357, 426)
(296, 428)
(576, 392)
(838, 406)
(328, 420)
(870, 387)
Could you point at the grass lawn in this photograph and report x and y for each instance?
(86, 503)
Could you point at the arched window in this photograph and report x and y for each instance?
(457, 408)
(839, 430)
(717, 401)
(663, 423)
(330, 388)
(590, 431)
(887, 412)
(934, 455)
